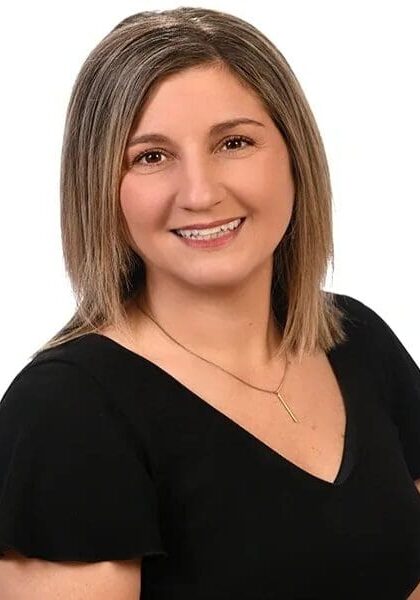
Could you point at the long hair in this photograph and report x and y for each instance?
(108, 96)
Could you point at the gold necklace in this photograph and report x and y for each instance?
(276, 391)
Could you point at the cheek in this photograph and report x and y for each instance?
(277, 191)
(138, 211)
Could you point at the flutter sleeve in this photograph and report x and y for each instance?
(71, 486)
(402, 377)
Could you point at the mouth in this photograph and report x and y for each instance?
(241, 220)
(214, 240)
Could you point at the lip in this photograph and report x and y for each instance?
(208, 225)
(212, 245)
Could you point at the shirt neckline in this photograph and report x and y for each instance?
(349, 432)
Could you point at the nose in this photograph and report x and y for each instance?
(200, 186)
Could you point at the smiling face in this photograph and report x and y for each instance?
(201, 175)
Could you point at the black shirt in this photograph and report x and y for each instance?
(106, 456)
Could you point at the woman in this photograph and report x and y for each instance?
(210, 423)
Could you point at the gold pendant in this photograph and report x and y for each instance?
(286, 407)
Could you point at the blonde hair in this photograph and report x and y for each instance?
(108, 96)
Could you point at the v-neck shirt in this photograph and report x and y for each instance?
(106, 456)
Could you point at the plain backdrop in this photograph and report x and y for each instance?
(358, 64)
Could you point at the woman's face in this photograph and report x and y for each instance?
(199, 176)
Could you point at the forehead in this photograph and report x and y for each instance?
(204, 94)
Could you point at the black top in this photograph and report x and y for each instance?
(106, 456)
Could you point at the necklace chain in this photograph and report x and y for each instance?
(276, 391)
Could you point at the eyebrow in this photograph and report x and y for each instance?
(214, 129)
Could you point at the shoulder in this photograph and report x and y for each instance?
(69, 375)
(372, 340)
(363, 322)
(50, 379)
(355, 311)
(55, 404)
(87, 388)
(64, 449)
(60, 398)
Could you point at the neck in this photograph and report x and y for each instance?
(236, 328)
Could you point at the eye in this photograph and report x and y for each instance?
(239, 138)
(148, 153)
(157, 151)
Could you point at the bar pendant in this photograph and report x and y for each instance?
(286, 407)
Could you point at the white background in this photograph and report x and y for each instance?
(358, 63)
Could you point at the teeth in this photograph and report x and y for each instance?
(197, 233)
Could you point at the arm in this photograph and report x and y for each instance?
(33, 579)
(415, 594)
